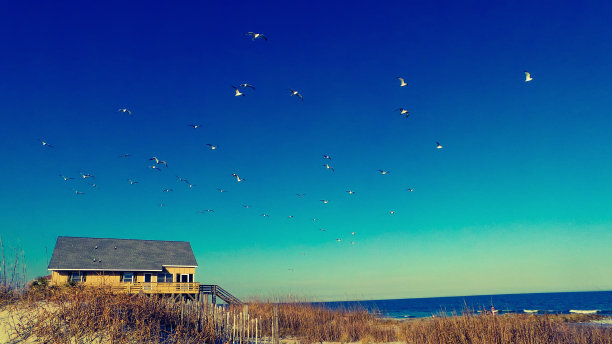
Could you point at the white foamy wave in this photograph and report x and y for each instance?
(584, 311)
(530, 311)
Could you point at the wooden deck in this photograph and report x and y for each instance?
(157, 288)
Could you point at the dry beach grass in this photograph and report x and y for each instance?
(88, 315)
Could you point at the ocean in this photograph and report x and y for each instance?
(597, 302)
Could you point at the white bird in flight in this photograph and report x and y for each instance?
(403, 112)
(65, 178)
(238, 179)
(329, 167)
(237, 92)
(78, 192)
(125, 155)
(402, 82)
(206, 211)
(324, 201)
(438, 145)
(301, 195)
(350, 192)
(221, 190)
(383, 172)
(256, 35)
(125, 111)
(132, 182)
(327, 157)
(86, 175)
(528, 76)
(410, 189)
(168, 190)
(265, 215)
(296, 93)
(45, 144)
(194, 126)
(213, 147)
(247, 85)
(153, 167)
(392, 212)
(338, 239)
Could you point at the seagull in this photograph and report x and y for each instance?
(265, 215)
(402, 82)
(213, 147)
(182, 179)
(45, 144)
(156, 159)
(221, 190)
(296, 93)
(238, 93)
(125, 155)
(301, 195)
(206, 211)
(125, 111)
(329, 167)
(323, 230)
(352, 243)
(410, 189)
(153, 167)
(256, 35)
(403, 112)
(528, 76)
(237, 177)
(132, 182)
(86, 175)
(350, 192)
(246, 206)
(247, 85)
(438, 145)
(352, 233)
(190, 185)
(327, 157)
(290, 216)
(168, 190)
(65, 178)
(163, 163)
(315, 219)
(338, 239)
(392, 212)
(162, 205)
(383, 172)
(194, 126)
(93, 185)
(78, 192)
(324, 201)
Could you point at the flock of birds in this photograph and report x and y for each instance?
(241, 90)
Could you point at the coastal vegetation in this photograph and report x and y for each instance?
(76, 314)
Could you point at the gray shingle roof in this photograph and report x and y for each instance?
(73, 253)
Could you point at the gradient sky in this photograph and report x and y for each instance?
(518, 200)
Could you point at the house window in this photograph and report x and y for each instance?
(163, 277)
(77, 277)
(128, 277)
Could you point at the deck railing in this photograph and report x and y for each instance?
(157, 288)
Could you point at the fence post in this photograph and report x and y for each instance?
(275, 332)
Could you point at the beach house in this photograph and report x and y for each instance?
(125, 265)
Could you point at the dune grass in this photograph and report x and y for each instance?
(90, 315)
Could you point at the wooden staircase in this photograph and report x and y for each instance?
(216, 291)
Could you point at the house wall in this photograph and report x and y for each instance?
(114, 278)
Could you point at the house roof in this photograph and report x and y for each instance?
(105, 254)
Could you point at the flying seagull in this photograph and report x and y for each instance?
(352, 233)
(392, 212)
(237, 177)
(182, 179)
(528, 76)
(438, 145)
(153, 167)
(93, 185)
(403, 112)
(301, 195)
(221, 190)
(213, 147)
(327, 157)
(323, 230)
(237, 92)
(86, 175)
(247, 85)
(329, 167)
(168, 190)
(265, 215)
(296, 93)
(246, 206)
(383, 172)
(290, 216)
(256, 35)
(125, 111)
(65, 178)
(132, 182)
(402, 82)
(125, 155)
(206, 211)
(78, 192)
(315, 219)
(410, 189)
(338, 239)
(194, 126)
(324, 201)
(350, 192)
(45, 144)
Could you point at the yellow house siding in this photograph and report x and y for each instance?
(100, 278)
(59, 277)
(178, 270)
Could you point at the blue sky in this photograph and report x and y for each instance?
(518, 200)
